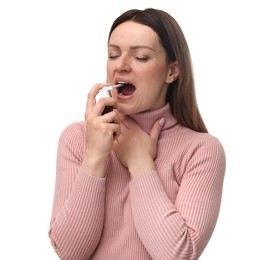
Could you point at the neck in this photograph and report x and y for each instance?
(147, 119)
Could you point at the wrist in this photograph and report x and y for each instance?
(94, 165)
(139, 168)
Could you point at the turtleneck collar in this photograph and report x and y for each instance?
(147, 119)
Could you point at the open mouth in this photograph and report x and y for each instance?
(126, 90)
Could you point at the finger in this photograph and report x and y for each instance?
(156, 129)
(114, 130)
(91, 99)
(116, 119)
(93, 92)
(110, 117)
(117, 134)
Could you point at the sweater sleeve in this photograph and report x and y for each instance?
(181, 229)
(78, 208)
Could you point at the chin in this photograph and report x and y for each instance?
(124, 111)
(127, 110)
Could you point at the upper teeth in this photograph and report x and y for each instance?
(121, 82)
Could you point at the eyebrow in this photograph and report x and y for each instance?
(133, 47)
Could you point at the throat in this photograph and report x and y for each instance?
(127, 90)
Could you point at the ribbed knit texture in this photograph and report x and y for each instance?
(167, 213)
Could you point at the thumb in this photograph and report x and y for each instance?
(156, 129)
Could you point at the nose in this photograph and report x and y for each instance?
(123, 63)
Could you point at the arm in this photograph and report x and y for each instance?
(78, 208)
(180, 230)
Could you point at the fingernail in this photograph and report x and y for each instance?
(162, 121)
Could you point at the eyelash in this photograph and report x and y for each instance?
(113, 57)
(142, 58)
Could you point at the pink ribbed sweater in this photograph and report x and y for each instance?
(167, 213)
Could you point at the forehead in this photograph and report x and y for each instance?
(132, 33)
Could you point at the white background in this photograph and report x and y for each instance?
(52, 52)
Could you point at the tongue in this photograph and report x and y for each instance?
(127, 90)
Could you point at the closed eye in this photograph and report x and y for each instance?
(112, 57)
(142, 58)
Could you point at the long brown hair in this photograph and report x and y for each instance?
(181, 93)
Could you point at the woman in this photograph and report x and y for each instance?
(143, 181)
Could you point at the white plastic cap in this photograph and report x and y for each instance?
(103, 93)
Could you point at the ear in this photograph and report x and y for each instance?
(173, 72)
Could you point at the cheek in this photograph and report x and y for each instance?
(156, 72)
(109, 71)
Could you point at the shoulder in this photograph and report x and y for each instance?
(187, 142)
(73, 134)
(208, 140)
(208, 149)
(205, 146)
(201, 139)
